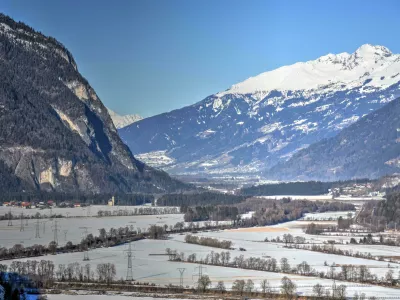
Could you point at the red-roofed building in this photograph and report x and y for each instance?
(25, 204)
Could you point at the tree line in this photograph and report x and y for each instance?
(209, 212)
(59, 197)
(271, 212)
(44, 272)
(208, 241)
(351, 273)
(199, 199)
(296, 188)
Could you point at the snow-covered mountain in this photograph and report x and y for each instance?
(122, 121)
(265, 119)
(368, 148)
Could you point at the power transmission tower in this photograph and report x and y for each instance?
(200, 274)
(9, 219)
(55, 230)
(65, 235)
(44, 227)
(129, 272)
(88, 211)
(86, 252)
(37, 235)
(22, 223)
(181, 271)
(26, 221)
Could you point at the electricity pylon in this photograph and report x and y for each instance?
(181, 271)
(37, 235)
(200, 274)
(86, 252)
(55, 229)
(9, 219)
(88, 211)
(44, 226)
(129, 272)
(22, 223)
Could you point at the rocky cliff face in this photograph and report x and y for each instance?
(55, 133)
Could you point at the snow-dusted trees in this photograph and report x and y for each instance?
(208, 241)
(288, 288)
(106, 272)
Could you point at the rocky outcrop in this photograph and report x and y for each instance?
(55, 133)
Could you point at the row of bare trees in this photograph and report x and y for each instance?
(287, 288)
(45, 271)
(138, 211)
(113, 237)
(331, 249)
(352, 273)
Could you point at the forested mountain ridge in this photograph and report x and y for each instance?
(55, 133)
(370, 147)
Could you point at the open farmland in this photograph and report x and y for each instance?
(88, 211)
(11, 235)
(158, 270)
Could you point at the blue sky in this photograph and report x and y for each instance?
(150, 57)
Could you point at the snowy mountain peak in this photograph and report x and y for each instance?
(373, 64)
(368, 50)
(122, 121)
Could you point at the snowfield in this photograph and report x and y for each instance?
(11, 235)
(75, 211)
(328, 71)
(157, 269)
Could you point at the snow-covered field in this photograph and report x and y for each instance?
(11, 235)
(158, 270)
(76, 211)
(328, 215)
(111, 296)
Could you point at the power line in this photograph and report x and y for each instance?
(86, 252)
(55, 230)
(88, 211)
(44, 227)
(22, 223)
(200, 274)
(10, 219)
(129, 271)
(181, 271)
(37, 235)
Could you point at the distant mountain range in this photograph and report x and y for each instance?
(370, 147)
(263, 121)
(122, 121)
(55, 133)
